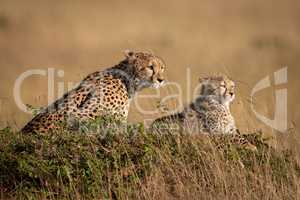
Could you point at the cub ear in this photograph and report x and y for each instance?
(201, 79)
(129, 54)
(202, 84)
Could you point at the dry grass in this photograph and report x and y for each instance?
(128, 162)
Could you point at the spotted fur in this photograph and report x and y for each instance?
(102, 93)
(209, 113)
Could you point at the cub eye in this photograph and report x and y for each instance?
(151, 67)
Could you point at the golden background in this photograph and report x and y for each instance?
(247, 40)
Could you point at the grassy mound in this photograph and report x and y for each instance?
(127, 162)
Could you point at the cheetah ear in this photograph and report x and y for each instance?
(129, 54)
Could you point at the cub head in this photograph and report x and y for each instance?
(148, 69)
(220, 88)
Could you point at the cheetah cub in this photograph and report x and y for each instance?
(209, 113)
(102, 93)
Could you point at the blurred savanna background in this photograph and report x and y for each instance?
(247, 40)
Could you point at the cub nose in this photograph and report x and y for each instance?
(160, 80)
(231, 93)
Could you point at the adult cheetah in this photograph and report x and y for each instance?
(102, 93)
(209, 113)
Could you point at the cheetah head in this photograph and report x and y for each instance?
(148, 69)
(220, 88)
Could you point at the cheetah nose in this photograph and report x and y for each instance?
(160, 80)
(231, 93)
